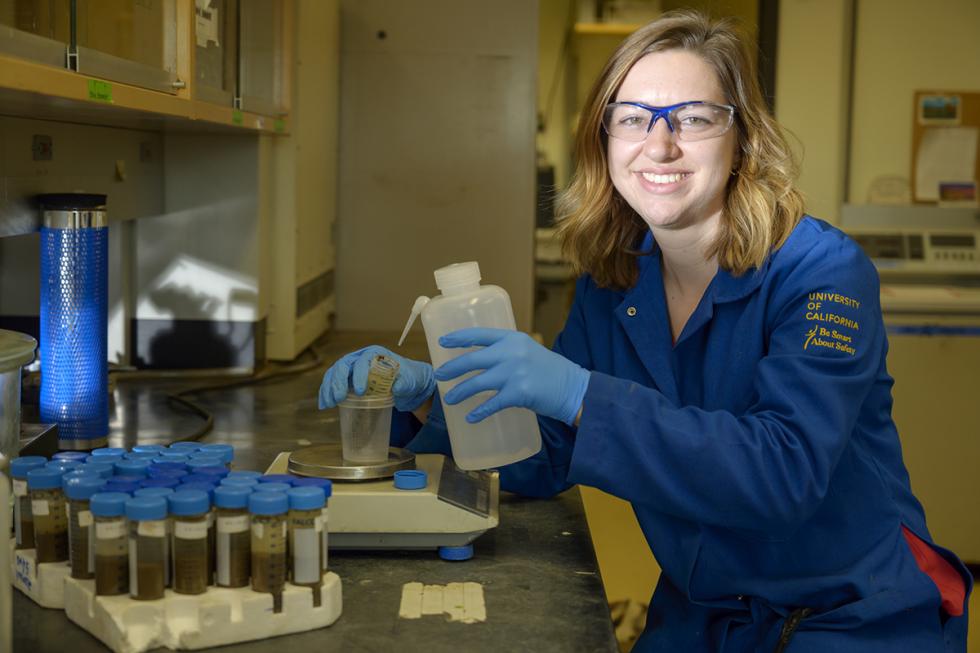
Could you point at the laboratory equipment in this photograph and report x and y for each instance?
(23, 517)
(306, 538)
(233, 557)
(16, 350)
(81, 534)
(504, 437)
(365, 426)
(269, 541)
(50, 516)
(111, 543)
(74, 317)
(190, 510)
(381, 375)
(147, 547)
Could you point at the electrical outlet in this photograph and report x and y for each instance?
(42, 148)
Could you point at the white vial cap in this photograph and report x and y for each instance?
(457, 274)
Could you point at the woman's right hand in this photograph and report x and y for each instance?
(413, 385)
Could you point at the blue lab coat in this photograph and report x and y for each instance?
(758, 452)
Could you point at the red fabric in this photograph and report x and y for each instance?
(947, 579)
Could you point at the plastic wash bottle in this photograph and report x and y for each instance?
(507, 436)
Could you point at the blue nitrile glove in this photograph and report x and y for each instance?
(412, 387)
(522, 372)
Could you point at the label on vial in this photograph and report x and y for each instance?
(84, 518)
(235, 524)
(20, 488)
(258, 531)
(210, 519)
(134, 583)
(318, 523)
(156, 528)
(91, 545)
(191, 530)
(306, 555)
(39, 507)
(110, 530)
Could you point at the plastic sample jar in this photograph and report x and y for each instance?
(163, 492)
(233, 555)
(327, 486)
(111, 543)
(269, 540)
(50, 515)
(190, 510)
(365, 426)
(23, 517)
(147, 547)
(81, 533)
(306, 538)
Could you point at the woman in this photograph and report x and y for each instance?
(722, 368)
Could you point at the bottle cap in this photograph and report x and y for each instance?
(150, 448)
(169, 470)
(153, 492)
(306, 498)
(160, 481)
(271, 487)
(277, 478)
(108, 504)
(70, 455)
(184, 447)
(20, 466)
(324, 483)
(456, 552)
(188, 502)
(44, 478)
(248, 473)
(224, 451)
(109, 451)
(83, 487)
(63, 465)
(144, 508)
(132, 467)
(105, 470)
(231, 496)
(268, 503)
(80, 473)
(211, 466)
(105, 458)
(207, 488)
(171, 457)
(457, 274)
(240, 481)
(411, 479)
(141, 455)
(120, 484)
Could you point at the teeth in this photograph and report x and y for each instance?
(663, 179)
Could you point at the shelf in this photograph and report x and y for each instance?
(32, 90)
(606, 29)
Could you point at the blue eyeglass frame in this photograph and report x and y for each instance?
(664, 112)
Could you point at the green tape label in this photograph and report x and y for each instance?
(236, 116)
(99, 91)
(280, 126)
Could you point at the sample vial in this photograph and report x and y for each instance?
(190, 510)
(81, 534)
(233, 557)
(269, 540)
(209, 489)
(224, 451)
(111, 543)
(147, 547)
(168, 542)
(136, 468)
(327, 486)
(23, 517)
(306, 539)
(50, 515)
(381, 375)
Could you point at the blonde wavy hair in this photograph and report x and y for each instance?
(600, 232)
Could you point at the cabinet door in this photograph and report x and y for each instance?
(131, 41)
(38, 30)
(262, 43)
(216, 51)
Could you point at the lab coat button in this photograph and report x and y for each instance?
(631, 311)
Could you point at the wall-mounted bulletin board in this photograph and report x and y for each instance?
(946, 147)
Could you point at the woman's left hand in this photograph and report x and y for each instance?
(519, 370)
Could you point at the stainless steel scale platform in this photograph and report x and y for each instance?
(368, 512)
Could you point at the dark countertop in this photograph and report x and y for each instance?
(538, 570)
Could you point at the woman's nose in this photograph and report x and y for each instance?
(660, 143)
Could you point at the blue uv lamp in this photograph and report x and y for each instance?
(74, 318)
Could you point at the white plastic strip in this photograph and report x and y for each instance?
(306, 555)
(458, 601)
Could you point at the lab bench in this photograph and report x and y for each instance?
(538, 570)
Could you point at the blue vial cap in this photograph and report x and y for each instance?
(231, 496)
(132, 467)
(277, 478)
(140, 455)
(325, 483)
(195, 464)
(240, 481)
(246, 473)
(105, 458)
(224, 451)
(115, 485)
(216, 472)
(71, 455)
(268, 503)
(20, 466)
(83, 487)
(184, 447)
(185, 502)
(81, 473)
(108, 504)
(456, 552)
(151, 448)
(411, 479)
(170, 457)
(109, 451)
(306, 498)
(160, 481)
(207, 488)
(199, 478)
(105, 470)
(153, 492)
(144, 508)
(271, 487)
(63, 465)
(44, 478)
(166, 468)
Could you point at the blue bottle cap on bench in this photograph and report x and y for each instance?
(411, 479)
(456, 553)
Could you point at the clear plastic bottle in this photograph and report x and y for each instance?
(50, 514)
(23, 517)
(111, 543)
(81, 534)
(147, 547)
(190, 510)
(233, 558)
(504, 437)
(269, 540)
(305, 539)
